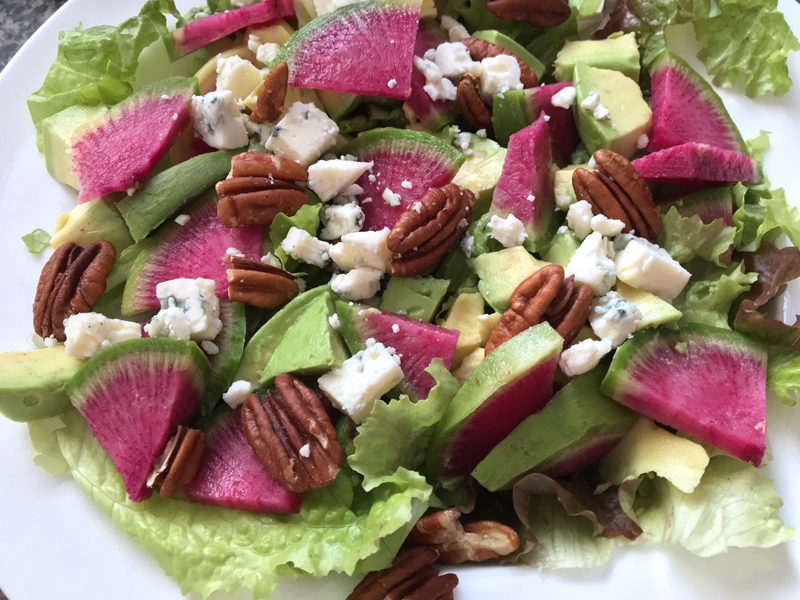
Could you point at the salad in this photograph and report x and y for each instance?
(376, 287)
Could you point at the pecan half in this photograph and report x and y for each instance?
(292, 436)
(178, 464)
(428, 228)
(544, 296)
(457, 543)
(617, 191)
(472, 107)
(71, 282)
(260, 186)
(480, 49)
(539, 13)
(272, 95)
(410, 576)
(257, 284)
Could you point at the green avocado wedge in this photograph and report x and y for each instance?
(32, 383)
(576, 428)
(416, 297)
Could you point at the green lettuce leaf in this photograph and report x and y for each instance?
(307, 218)
(735, 506)
(688, 237)
(36, 241)
(97, 65)
(376, 116)
(340, 528)
(783, 373)
(708, 297)
(44, 445)
(396, 434)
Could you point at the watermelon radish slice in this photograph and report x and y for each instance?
(400, 155)
(365, 48)
(231, 476)
(707, 382)
(416, 343)
(193, 36)
(698, 164)
(517, 110)
(119, 150)
(134, 395)
(187, 146)
(230, 346)
(687, 109)
(509, 385)
(709, 205)
(524, 188)
(197, 249)
(434, 114)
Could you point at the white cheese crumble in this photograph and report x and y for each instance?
(189, 310)
(579, 218)
(407, 184)
(392, 83)
(390, 197)
(209, 348)
(362, 379)
(305, 451)
(583, 356)
(614, 318)
(591, 264)
(481, 133)
(500, 74)
(334, 321)
(339, 220)
(303, 246)
(237, 393)
(455, 30)
(607, 227)
(601, 112)
(509, 231)
(642, 142)
(591, 101)
(395, 328)
(182, 219)
(437, 86)
(363, 249)
(358, 284)
(564, 98)
(468, 245)
(270, 259)
(648, 267)
(234, 252)
(87, 333)
(303, 135)
(216, 118)
(453, 60)
(327, 178)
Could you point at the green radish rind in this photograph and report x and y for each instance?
(738, 427)
(91, 374)
(224, 363)
(261, 347)
(163, 194)
(377, 140)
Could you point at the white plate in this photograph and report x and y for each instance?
(55, 543)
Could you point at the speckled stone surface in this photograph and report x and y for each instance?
(18, 20)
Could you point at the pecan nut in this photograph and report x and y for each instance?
(480, 49)
(457, 543)
(178, 464)
(410, 576)
(260, 186)
(472, 107)
(71, 282)
(617, 191)
(544, 296)
(292, 435)
(539, 13)
(257, 284)
(272, 95)
(428, 228)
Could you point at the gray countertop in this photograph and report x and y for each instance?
(18, 20)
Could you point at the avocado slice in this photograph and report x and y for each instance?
(32, 383)
(501, 272)
(339, 104)
(562, 185)
(473, 331)
(655, 311)
(58, 134)
(618, 52)
(629, 117)
(564, 246)
(90, 222)
(481, 170)
(261, 347)
(573, 431)
(495, 37)
(164, 194)
(417, 298)
(311, 346)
